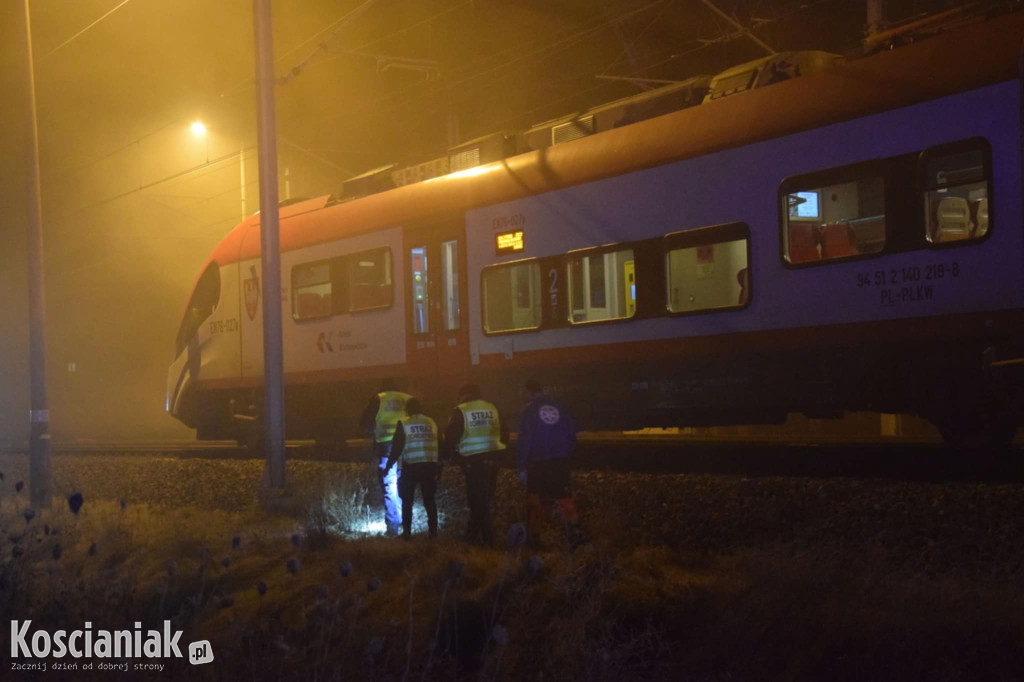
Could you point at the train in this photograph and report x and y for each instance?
(838, 238)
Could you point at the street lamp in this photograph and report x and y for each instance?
(199, 130)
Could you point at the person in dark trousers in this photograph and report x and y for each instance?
(415, 448)
(380, 419)
(474, 437)
(545, 442)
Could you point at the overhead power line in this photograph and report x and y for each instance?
(74, 37)
(322, 47)
(739, 27)
(402, 95)
(521, 55)
(249, 81)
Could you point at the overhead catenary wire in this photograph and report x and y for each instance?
(322, 47)
(674, 55)
(564, 40)
(84, 30)
(443, 85)
(468, 75)
(197, 172)
(739, 27)
(247, 82)
(625, 51)
(154, 183)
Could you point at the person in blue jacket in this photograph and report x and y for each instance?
(546, 440)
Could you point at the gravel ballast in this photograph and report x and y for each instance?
(934, 527)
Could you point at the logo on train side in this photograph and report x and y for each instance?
(251, 291)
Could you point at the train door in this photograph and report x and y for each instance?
(629, 284)
(438, 340)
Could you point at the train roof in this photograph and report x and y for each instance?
(974, 56)
(700, 83)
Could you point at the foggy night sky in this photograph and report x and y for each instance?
(123, 244)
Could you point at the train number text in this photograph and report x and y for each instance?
(908, 275)
(223, 326)
(505, 222)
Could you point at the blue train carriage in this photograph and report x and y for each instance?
(826, 244)
(849, 239)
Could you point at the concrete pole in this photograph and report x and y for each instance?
(270, 249)
(39, 415)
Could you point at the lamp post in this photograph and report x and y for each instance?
(200, 130)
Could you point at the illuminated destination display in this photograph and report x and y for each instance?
(508, 242)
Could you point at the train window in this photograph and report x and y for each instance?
(956, 186)
(420, 290)
(311, 290)
(834, 214)
(602, 286)
(450, 273)
(707, 268)
(200, 306)
(368, 279)
(512, 297)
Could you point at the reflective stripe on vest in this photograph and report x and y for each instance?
(420, 440)
(481, 430)
(391, 411)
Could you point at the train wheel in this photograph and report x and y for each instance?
(330, 448)
(250, 437)
(988, 426)
(329, 441)
(994, 436)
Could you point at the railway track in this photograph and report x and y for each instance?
(894, 458)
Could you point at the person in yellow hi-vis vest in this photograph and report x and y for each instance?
(380, 419)
(474, 437)
(415, 448)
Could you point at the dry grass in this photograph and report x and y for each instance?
(341, 603)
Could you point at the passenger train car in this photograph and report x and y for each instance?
(849, 239)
